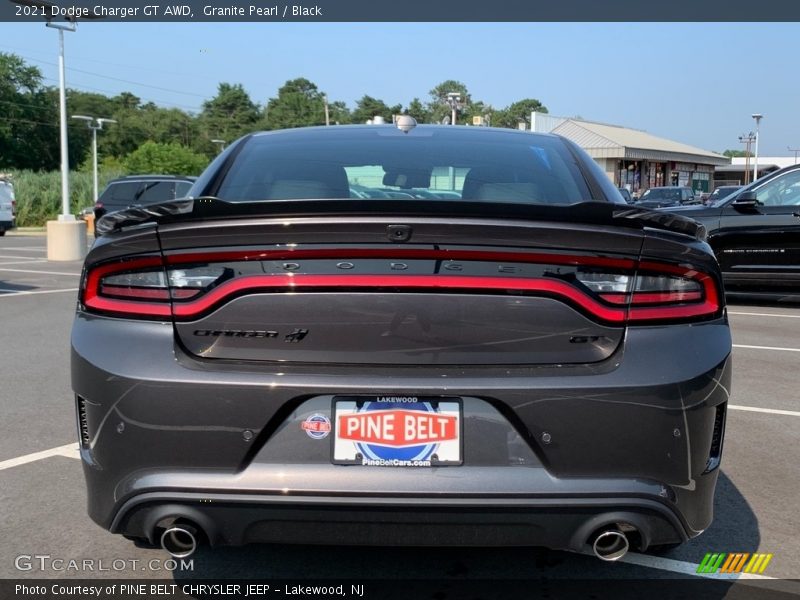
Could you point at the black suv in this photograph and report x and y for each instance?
(139, 190)
(755, 233)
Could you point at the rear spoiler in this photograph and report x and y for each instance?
(592, 213)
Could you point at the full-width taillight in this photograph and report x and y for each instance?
(612, 290)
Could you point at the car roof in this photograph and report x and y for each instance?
(459, 133)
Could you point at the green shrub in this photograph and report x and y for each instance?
(166, 159)
(38, 194)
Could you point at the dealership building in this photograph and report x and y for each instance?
(635, 159)
(740, 171)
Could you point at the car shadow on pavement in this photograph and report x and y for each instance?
(7, 287)
(465, 572)
(734, 529)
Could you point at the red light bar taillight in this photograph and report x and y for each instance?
(615, 291)
(662, 292)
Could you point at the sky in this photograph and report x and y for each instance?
(696, 83)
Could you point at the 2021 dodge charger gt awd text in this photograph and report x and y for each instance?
(493, 350)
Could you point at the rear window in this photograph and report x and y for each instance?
(661, 194)
(155, 191)
(120, 194)
(181, 188)
(126, 193)
(534, 170)
(6, 191)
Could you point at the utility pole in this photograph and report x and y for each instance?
(757, 117)
(795, 150)
(327, 112)
(747, 139)
(95, 124)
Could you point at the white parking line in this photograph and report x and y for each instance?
(6, 293)
(40, 272)
(755, 347)
(683, 567)
(25, 258)
(752, 314)
(771, 411)
(27, 261)
(68, 450)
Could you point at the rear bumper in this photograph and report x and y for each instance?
(562, 523)
(6, 225)
(220, 443)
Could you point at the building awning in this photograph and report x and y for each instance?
(742, 168)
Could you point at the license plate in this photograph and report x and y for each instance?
(397, 431)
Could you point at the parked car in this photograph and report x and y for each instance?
(660, 197)
(273, 360)
(7, 206)
(140, 190)
(755, 231)
(626, 195)
(720, 192)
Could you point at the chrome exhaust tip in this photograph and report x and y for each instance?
(610, 545)
(179, 540)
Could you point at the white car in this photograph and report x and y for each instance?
(7, 205)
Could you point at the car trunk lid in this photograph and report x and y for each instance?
(382, 290)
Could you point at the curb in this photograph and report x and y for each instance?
(20, 231)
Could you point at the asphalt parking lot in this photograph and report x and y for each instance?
(43, 497)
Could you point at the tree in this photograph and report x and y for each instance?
(299, 104)
(732, 153)
(168, 159)
(417, 110)
(17, 77)
(438, 108)
(518, 111)
(476, 109)
(339, 113)
(228, 116)
(368, 107)
(28, 117)
(80, 136)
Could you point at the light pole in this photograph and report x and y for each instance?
(454, 100)
(747, 140)
(94, 124)
(795, 150)
(757, 117)
(221, 144)
(65, 215)
(66, 237)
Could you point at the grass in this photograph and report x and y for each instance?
(38, 194)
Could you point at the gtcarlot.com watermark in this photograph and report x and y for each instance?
(46, 562)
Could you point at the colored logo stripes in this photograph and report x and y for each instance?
(737, 562)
